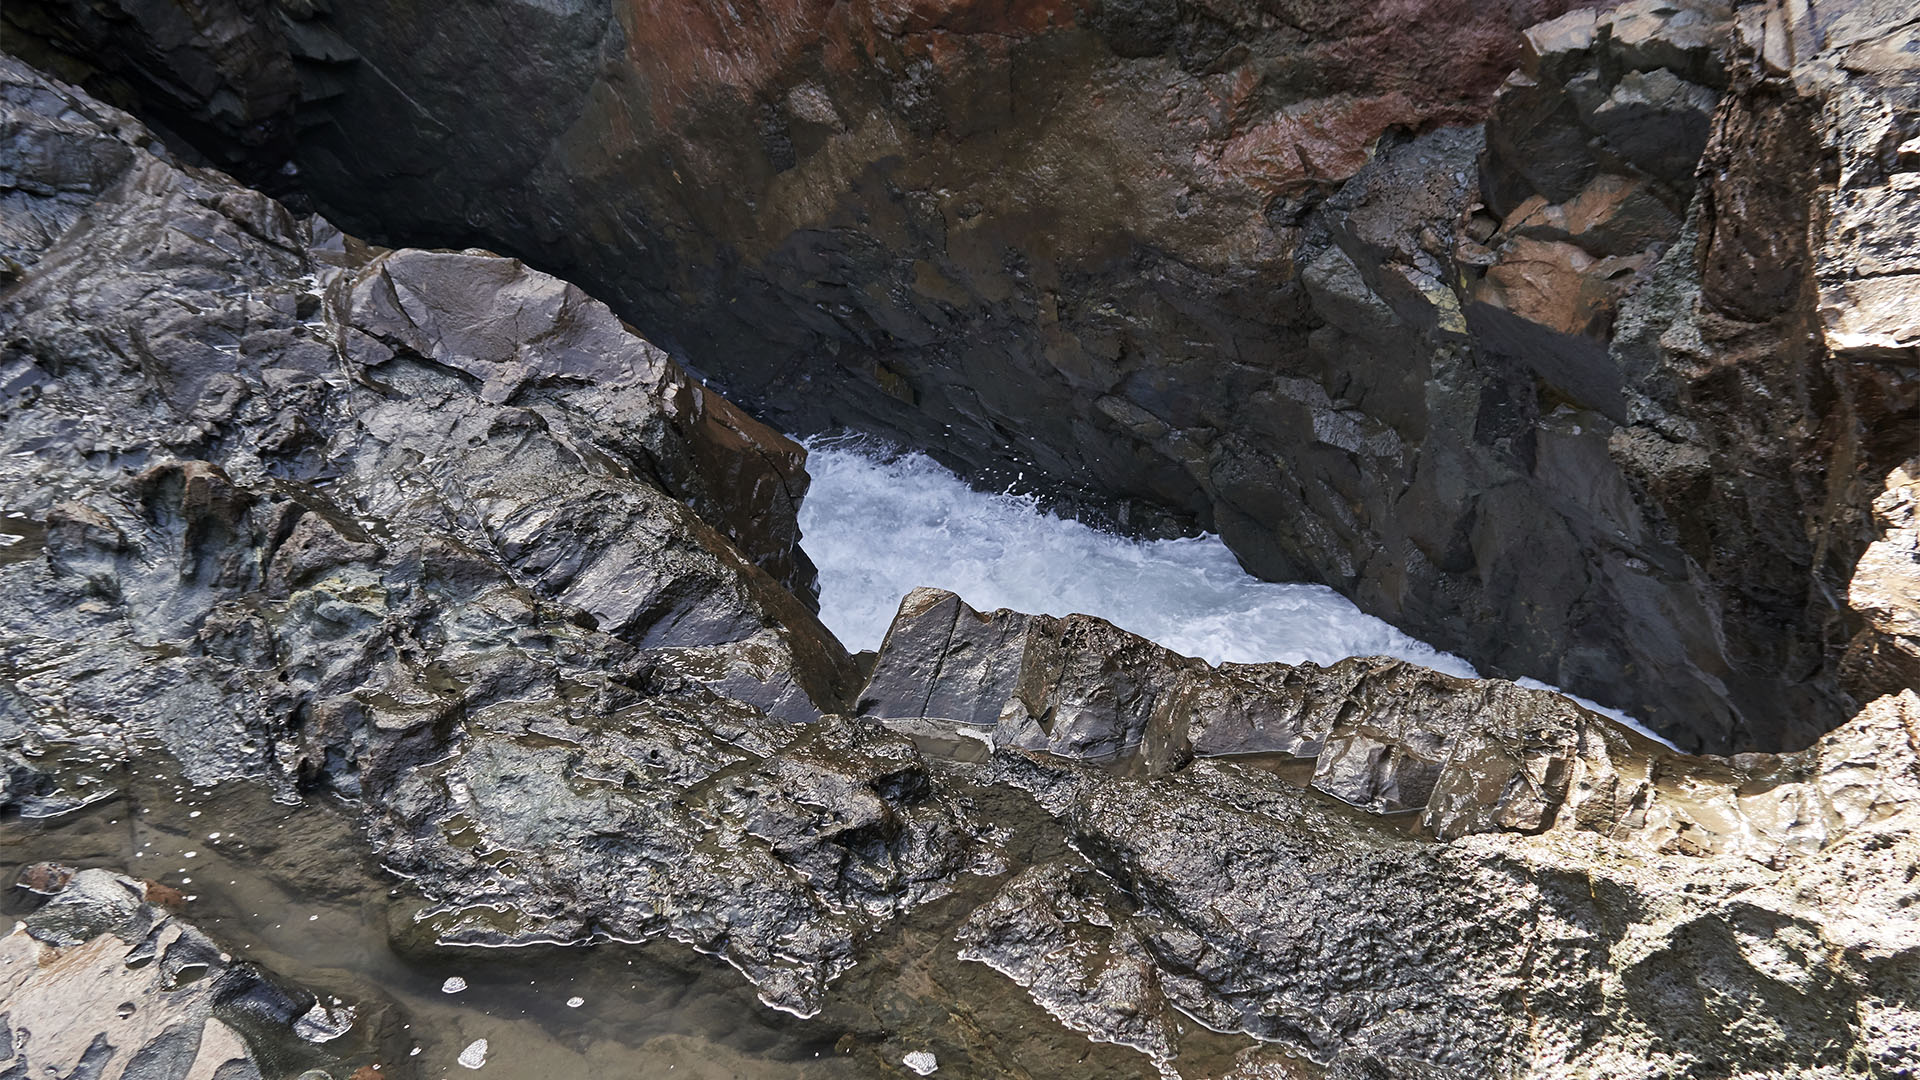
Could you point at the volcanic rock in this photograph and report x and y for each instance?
(1457, 756)
(1570, 337)
(433, 532)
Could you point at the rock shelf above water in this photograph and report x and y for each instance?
(1576, 339)
(433, 532)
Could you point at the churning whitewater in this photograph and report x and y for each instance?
(879, 524)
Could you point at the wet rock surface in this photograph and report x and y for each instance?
(1255, 849)
(780, 861)
(1569, 337)
(432, 533)
(103, 981)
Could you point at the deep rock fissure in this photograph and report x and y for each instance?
(1546, 337)
(437, 534)
(879, 523)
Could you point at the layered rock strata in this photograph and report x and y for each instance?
(1591, 374)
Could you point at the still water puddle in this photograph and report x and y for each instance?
(293, 888)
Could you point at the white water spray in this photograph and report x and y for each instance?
(879, 525)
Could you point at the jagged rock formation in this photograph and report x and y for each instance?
(307, 512)
(433, 531)
(105, 982)
(1597, 384)
(1598, 905)
(1456, 756)
(1885, 589)
(1564, 954)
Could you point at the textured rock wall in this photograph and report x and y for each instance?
(243, 438)
(417, 528)
(1520, 385)
(1597, 905)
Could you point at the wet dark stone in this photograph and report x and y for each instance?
(432, 534)
(1094, 249)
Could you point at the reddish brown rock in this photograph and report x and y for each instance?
(45, 878)
(1559, 286)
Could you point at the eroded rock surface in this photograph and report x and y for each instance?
(1559, 955)
(1253, 846)
(1570, 337)
(315, 514)
(1453, 756)
(433, 532)
(1885, 589)
(244, 442)
(776, 847)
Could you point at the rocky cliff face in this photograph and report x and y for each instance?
(433, 532)
(1575, 342)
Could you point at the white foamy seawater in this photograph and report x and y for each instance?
(879, 525)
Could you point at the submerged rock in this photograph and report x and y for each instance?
(777, 848)
(103, 982)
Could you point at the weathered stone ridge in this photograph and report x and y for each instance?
(436, 532)
(236, 422)
(1457, 756)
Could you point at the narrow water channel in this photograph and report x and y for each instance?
(296, 889)
(879, 523)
